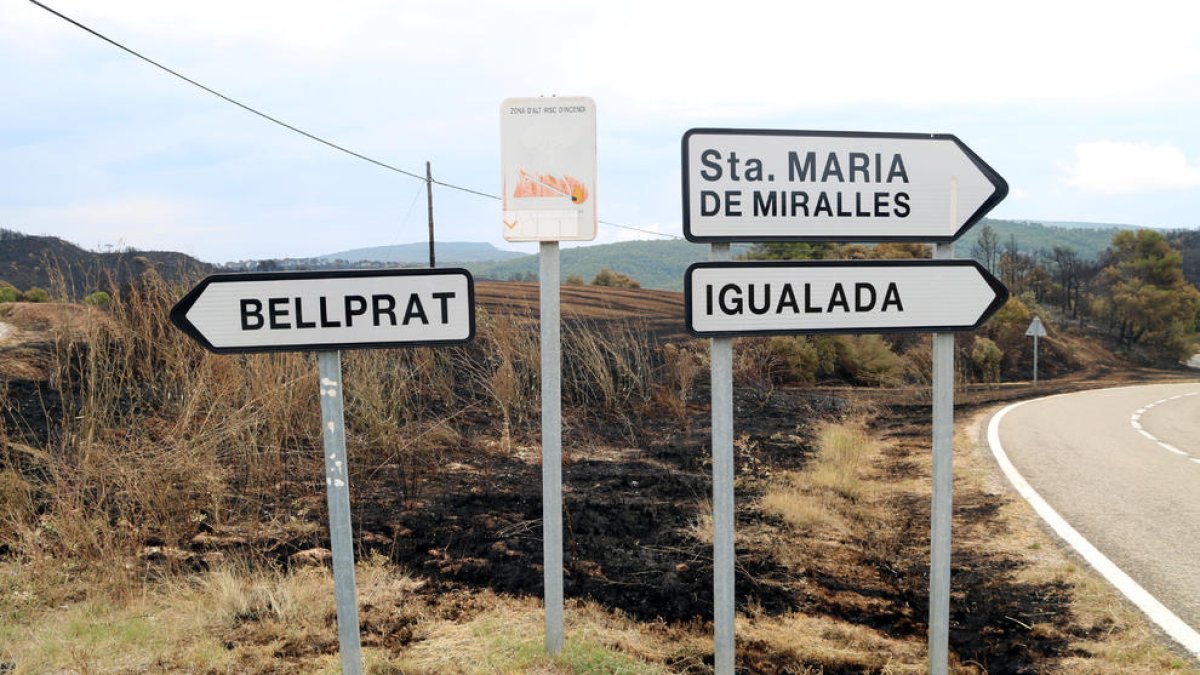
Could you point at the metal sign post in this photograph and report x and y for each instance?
(337, 485)
(763, 185)
(1036, 330)
(548, 169)
(722, 491)
(552, 528)
(326, 312)
(943, 485)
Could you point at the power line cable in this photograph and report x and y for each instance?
(223, 97)
(290, 127)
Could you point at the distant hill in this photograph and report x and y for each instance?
(654, 264)
(27, 261)
(446, 252)
(1032, 237)
(1080, 225)
(661, 264)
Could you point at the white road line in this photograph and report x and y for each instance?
(1179, 631)
(1170, 448)
(1135, 421)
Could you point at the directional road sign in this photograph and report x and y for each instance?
(329, 310)
(825, 296)
(760, 185)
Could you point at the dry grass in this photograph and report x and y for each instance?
(834, 487)
(797, 639)
(242, 618)
(508, 637)
(153, 436)
(682, 364)
(147, 434)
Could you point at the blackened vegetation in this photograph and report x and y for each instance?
(992, 611)
(28, 408)
(626, 522)
(637, 485)
(631, 538)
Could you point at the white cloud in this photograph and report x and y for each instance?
(145, 221)
(1115, 167)
(774, 57)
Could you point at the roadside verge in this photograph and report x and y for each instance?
(1164, 618)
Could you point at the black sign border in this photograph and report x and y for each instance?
(996, 304)
(180, 310)
(998, 182)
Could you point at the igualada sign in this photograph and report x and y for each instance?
(727, 298)
(329, 310)
(760, 185)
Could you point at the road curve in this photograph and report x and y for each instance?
(1116, 472)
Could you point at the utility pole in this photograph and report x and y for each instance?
(429, 199)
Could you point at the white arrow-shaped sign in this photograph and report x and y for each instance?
(824, 296)
(760, 185)
(329, 310)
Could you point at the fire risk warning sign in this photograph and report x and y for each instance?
(548, 155)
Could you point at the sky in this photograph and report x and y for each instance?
(1090, 110)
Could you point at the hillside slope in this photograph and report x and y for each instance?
(27, 261)
(446, 252)
(654, 264)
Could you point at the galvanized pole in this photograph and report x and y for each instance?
(337, 482)
(943, 483)
(1035, 354)
(722, 503)
(552, 532)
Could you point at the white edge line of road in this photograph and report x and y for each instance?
(1158, 613)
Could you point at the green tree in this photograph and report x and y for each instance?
(36, 294)
(8, 292)
(607, 277)
(575, 280)
(1145, 299)
(98, 299)
(986, 356)
(792, 251)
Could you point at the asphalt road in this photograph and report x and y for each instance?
(1122, 466)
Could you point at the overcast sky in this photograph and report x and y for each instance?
(1090, 110)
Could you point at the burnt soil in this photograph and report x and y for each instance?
(636, 490)
(631, 501)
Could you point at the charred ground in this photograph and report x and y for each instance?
(467, 516)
